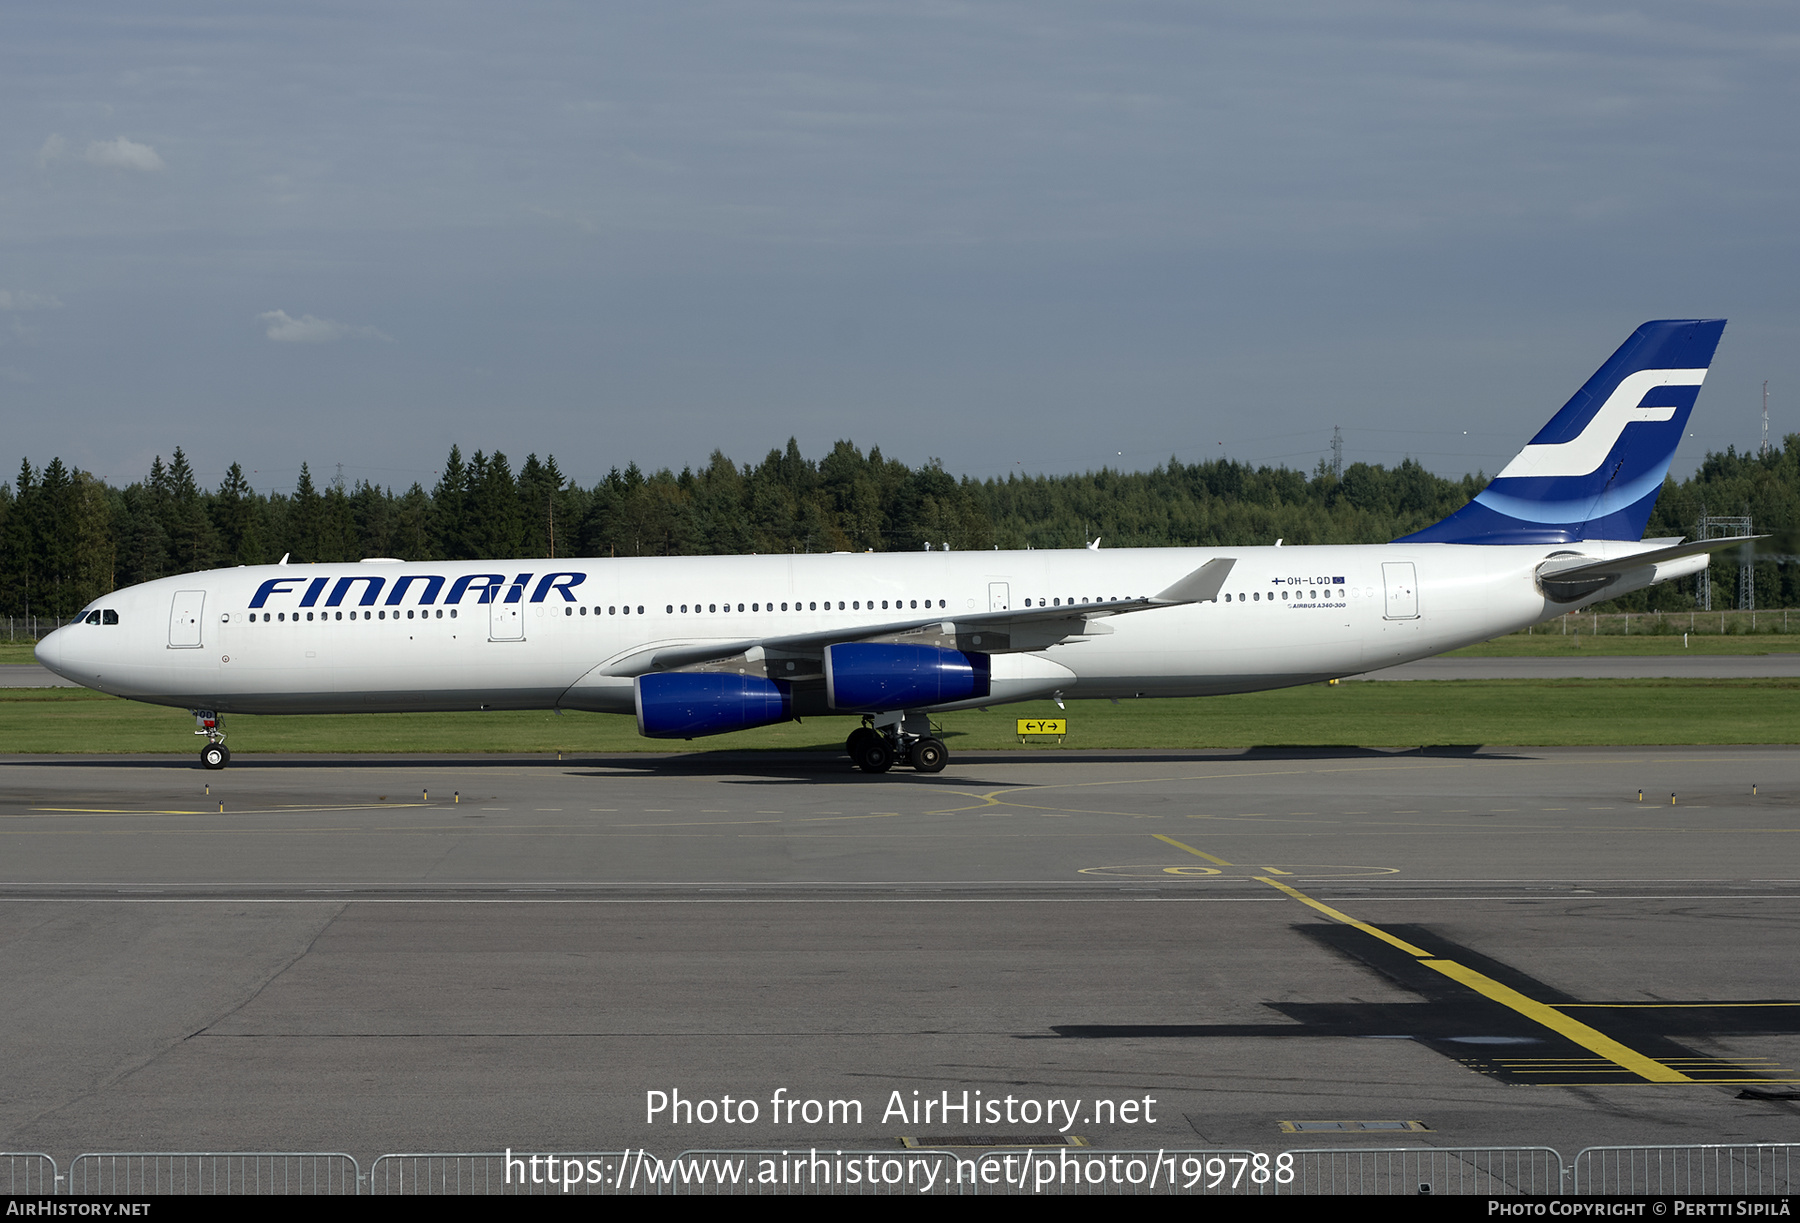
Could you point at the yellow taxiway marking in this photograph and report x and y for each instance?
(1198, 853)
(1339, 916)
(1576, 1031)
(116, 811)
(1540, 1013)
(284, 809)
(1608, 1006)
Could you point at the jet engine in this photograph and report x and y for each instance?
(871, 675)
(689, 704)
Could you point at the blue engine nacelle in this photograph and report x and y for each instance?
(689, 704)
(867, 675)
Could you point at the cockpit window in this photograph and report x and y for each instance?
(109, 617)
(93, 617)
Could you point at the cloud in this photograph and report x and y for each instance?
(120, 154)
(286, 329)
(20, 299)
(123, 154)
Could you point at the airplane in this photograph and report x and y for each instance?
(700, 645)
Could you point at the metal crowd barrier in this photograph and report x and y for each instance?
(131, 1173)
(1714, 1169)
(1094, 1171)
(28, 1174)
(564, 1173)
(1450, 1171)
(1748, 1169)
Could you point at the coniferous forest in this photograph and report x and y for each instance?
(66, 537)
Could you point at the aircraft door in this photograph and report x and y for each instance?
(505, 620)
(999, 598)
(1402, 590)
(184, 619)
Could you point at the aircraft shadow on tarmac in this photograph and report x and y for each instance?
(793, 765)
(1497, 1040)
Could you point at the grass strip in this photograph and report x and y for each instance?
(1548, 713)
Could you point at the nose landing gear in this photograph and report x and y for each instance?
(215, 755)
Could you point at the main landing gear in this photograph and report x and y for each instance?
(878, 750)
(215, 755)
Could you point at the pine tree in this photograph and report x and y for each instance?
(236, 520)
(306, 520)
(449, 510)
(193, 542)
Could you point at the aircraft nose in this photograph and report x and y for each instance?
(49, 650)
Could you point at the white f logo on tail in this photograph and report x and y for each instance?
(1582, 456)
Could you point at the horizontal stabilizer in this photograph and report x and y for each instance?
(1570, 578)
(1584, 568)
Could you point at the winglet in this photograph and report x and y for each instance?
(1200, 586)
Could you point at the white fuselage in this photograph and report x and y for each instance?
(386, 636)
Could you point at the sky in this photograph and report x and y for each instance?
(1036, 237)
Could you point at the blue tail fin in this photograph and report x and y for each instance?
(1594, 471)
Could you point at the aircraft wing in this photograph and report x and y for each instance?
(1031, 628)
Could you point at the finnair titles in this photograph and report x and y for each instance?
(701, 645)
